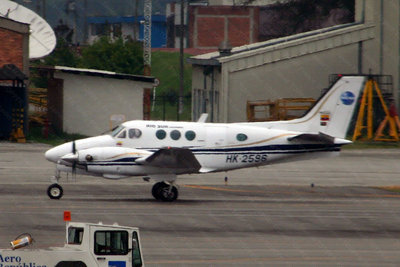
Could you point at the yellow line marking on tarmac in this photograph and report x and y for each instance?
(299, 193)
(222, 189)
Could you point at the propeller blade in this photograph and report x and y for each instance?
(74, 169)
(73, 147)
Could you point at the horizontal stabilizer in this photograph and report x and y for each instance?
(172, 158)
(319, 138)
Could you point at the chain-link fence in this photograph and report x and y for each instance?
(166, 107)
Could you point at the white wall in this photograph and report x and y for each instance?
(304, 76)
(89, 102)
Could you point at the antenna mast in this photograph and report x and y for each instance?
(147, 37)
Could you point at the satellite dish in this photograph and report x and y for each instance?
(42, 39)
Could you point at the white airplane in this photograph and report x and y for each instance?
(161, 150)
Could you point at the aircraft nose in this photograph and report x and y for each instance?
(54, 154)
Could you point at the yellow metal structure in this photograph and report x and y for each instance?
(366, 123)
(281, 109)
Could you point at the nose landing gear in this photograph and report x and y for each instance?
(55, 191)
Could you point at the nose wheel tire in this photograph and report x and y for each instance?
(55, 191)
(164, 192)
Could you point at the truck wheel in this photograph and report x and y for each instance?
(55, 191)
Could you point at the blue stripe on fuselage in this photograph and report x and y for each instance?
(270, 149)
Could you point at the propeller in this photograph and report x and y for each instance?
(76, 159)
(73, 147)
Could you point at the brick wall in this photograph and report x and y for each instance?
(11, 51)
(209, 26)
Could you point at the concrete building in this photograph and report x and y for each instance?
(84, 101)
(127, 26)
(208, 23)
(298, 65)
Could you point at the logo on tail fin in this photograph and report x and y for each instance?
(347, 98)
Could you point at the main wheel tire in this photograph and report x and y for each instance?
(55, 191)
(155, 191)
(168, 195)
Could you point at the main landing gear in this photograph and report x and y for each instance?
(165, 192)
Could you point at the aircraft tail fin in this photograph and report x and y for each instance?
(332, 113)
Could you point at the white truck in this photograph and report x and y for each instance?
(87, 245)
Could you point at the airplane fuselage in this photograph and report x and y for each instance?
(216, 146)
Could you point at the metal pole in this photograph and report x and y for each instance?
(136, 21)
(85, 37)
(181, 69)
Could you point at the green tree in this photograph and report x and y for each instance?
(63, 55)
(123, 56)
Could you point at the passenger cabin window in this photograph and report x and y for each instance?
(161, 134)
(175, 135)
(111, 242)
(75, 235)
(241, 137)
(190, 135)
(134, 133)
(122, 134)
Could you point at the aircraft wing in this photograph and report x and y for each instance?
(172, 158)
(319, 138)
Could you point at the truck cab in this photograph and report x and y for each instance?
(110, 245)
(86, 245)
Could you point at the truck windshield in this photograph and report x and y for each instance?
(75, 235)
(111, 242)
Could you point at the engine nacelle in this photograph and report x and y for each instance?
(111, 162)
(110, 154)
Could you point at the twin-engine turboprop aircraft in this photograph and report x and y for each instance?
(161, 150)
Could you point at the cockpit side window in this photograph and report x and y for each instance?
(122, 134)
(117, 130)
(134, 133)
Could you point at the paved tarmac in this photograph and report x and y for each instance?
(265, 216)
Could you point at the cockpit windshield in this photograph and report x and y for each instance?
(117, 130)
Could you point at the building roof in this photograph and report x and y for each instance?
(100, 73)
(14, 25)
(11, 72)
(215, 58)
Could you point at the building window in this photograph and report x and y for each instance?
(241, 137)
(190, 135)
(175, 135)
(99, 29)
(161, 134)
